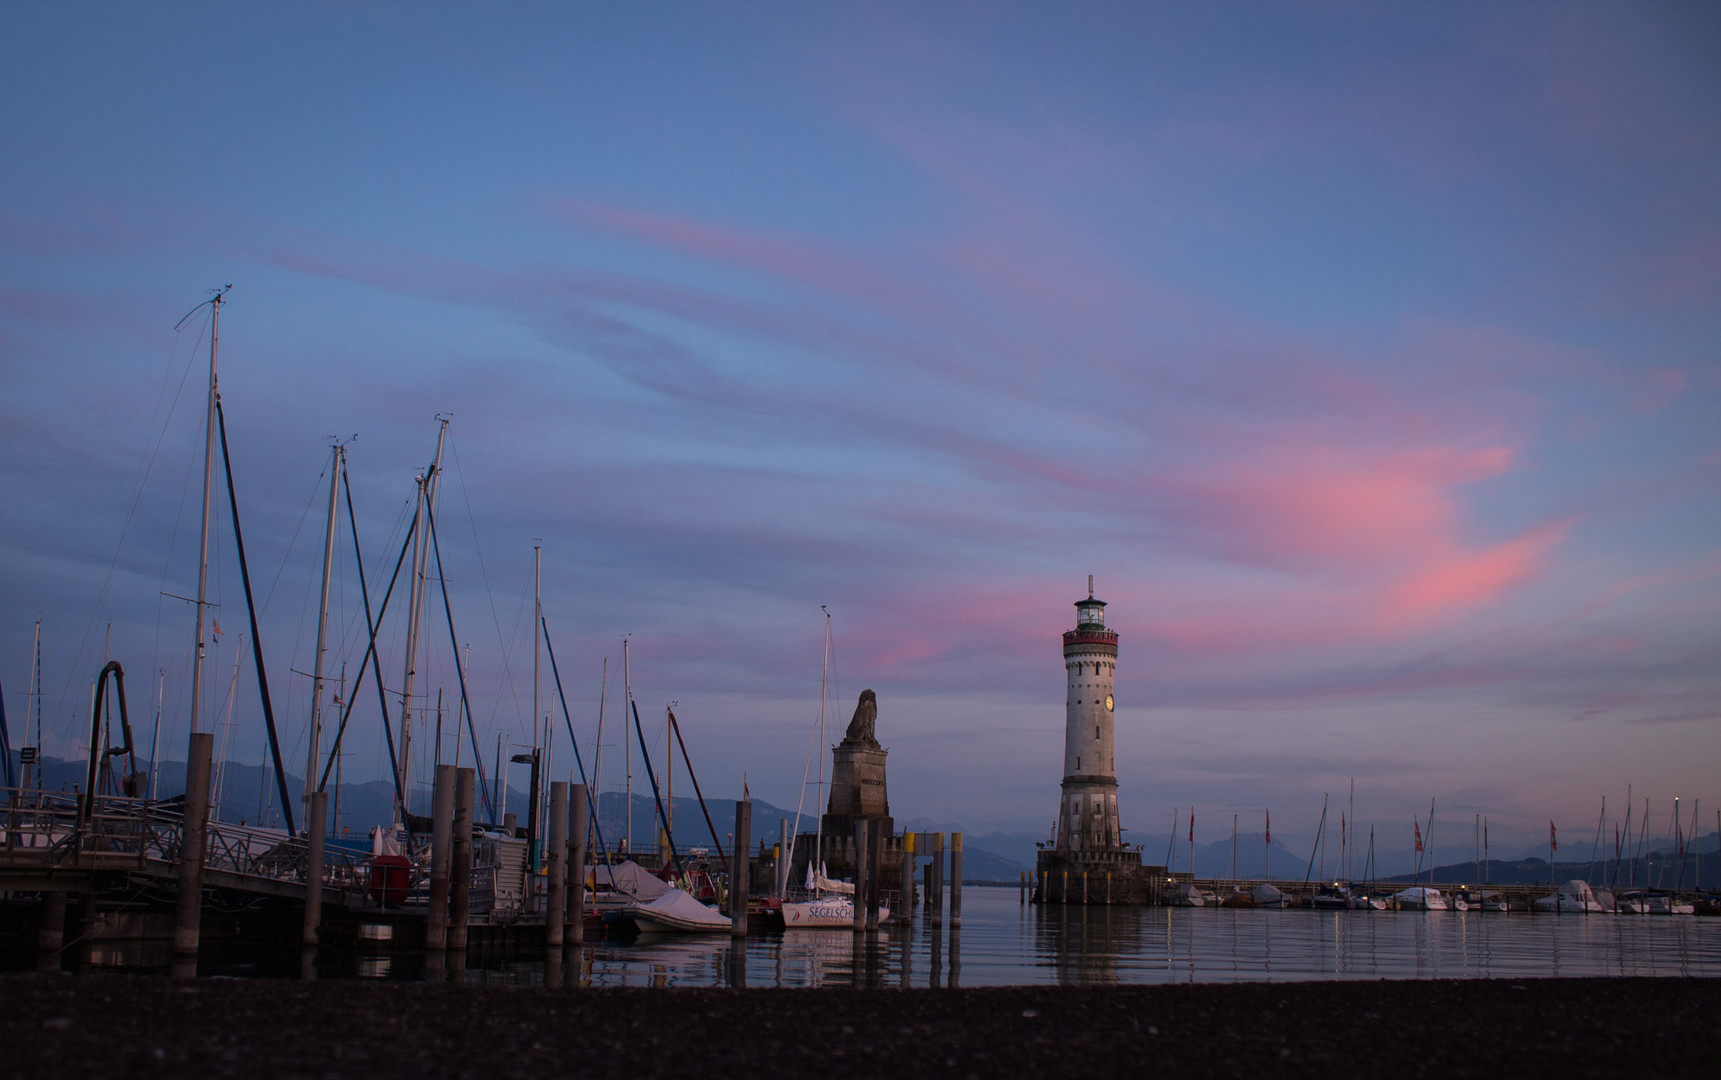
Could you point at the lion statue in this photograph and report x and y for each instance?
(866, 714)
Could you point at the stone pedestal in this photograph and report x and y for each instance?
(858, 790)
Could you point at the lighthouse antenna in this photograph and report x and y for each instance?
(1090, 586)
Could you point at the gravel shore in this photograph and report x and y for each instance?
(110, 1025)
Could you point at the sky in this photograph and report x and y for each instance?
(1366, 355)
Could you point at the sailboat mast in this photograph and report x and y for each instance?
(598, 751)
(824, 683)
(415, 606)
(155, 729)
(208, 485)
(316, 731)
(626, 744)
(34, 696)
(537, 638)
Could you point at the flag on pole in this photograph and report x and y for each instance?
(1553, 840)
(1192, 824)
(1269, 839)
(1418, 829)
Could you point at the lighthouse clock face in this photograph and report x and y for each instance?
(1108, 703)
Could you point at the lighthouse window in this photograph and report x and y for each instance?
(1096, 731)
(1078, 763)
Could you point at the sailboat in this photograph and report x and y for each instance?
(829, 904)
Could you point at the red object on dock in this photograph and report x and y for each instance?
(390, 878)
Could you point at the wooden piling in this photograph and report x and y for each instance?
(861, 833)
(310, 934)
(874, 875)
(1084, 886)
(460, 857)
(575, 933)
(740, 872)
(193, 842)
(906, 916)
(441, 836)
(955, 887)
(1022, 890)
(937, 897)
(783, 842)
(555, 916)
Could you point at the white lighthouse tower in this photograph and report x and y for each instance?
(1087, 816)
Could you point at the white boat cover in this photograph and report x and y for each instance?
(1420, 894)
(1574, 895)
(680, 911)
(824, 886)
(1266, 894)
(631, 879)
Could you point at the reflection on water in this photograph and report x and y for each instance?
(1002, 943)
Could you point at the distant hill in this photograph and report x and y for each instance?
(1659, 870)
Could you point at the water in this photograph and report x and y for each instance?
(1002, 943)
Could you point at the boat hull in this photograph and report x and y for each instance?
(826, 913)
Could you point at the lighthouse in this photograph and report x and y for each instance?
(1087, 815)
(1086, 861)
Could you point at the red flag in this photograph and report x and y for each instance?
(1553, 841)
(1341, 828)
(1192, 824)
(1418, 829)
(1269, 828)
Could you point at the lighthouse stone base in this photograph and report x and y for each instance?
(1097, 877)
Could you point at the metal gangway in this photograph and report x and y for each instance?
(58, 841)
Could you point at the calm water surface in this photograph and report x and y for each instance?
(1002, 943)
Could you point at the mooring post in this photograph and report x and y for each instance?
(555, 918)
(441, 837)
(1064, 892)
(577, 829)
(860, 876)
(1084, 886)
(783, 842)
(50, 930)
(955, 887)
(906, 900)
(926, 889)
(188, 912)
(310, 936)
(1108, 888)
(937, 879)
(874, 875)
(741, 872)
(460, 857)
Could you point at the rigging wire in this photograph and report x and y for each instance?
(125, 530)
(490, 593)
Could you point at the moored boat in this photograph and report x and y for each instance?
(1574, 896)
(1419, 898)
(677, 911)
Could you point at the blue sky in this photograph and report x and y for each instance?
(1365, 353)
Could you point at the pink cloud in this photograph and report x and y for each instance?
(1663, 385)
(1464, 579)
(1292, 503)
